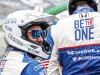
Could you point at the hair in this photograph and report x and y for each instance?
(74, 3)
(80, 3)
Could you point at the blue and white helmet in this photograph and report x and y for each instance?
(71, 5)
(14, 30)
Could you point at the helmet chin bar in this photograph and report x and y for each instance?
(38, 50)
(45, 47)
(28, 47)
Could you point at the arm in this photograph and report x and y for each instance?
(53, 67)
(34, 68)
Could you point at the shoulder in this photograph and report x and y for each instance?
(34, 68)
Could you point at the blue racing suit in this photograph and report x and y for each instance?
(75, 44)
(20, 63)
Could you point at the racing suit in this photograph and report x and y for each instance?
(75, 44)
(16, 62)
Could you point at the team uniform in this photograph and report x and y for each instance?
(22, 62)
(75, 44)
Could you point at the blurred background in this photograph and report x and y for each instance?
(8, 6)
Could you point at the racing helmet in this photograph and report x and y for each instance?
(72, 5)
(15, 27)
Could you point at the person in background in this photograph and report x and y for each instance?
(75, 41)
(25, 33)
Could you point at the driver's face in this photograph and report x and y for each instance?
(38, 40)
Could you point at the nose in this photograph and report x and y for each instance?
(40, 40)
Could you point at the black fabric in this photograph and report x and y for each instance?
(47, 47)
(72, 5)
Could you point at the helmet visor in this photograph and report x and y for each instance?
(37, 33)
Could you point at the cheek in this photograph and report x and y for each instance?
(31, 38)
